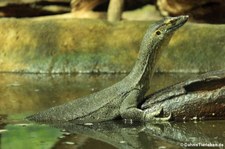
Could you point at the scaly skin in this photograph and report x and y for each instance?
(121, 99)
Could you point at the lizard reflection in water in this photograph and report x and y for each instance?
(121, 100)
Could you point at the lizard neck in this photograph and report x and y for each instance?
(155, 39)
(144, 67)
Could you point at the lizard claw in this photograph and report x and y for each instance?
(168, 118)
(157, 116)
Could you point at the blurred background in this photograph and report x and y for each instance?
(210, 11)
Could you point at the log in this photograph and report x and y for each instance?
(85, 5)
(33, 8)
(115, 10)
(200, 98)
(210, 11)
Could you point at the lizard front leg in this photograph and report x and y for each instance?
(129, 110)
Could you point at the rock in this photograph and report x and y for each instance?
(211, 11)
(87, 46)
(195, 48)
(66, 46)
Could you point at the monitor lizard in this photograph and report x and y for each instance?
(121, 100)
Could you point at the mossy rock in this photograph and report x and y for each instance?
(86, 46)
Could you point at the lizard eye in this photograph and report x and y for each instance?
(158, 32)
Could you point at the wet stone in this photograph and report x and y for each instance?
(162, 147)
(61, 137)
(3, 130)
(122, 142)
(88, 124)
(66, 133)
(23, 125)
(69, 143)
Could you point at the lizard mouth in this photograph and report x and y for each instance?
(177, 22)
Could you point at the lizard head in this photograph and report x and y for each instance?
(169, 25)
(160, 33)
(155, 39)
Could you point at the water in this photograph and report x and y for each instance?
(24, 94)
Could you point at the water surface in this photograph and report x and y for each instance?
(24, 94)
